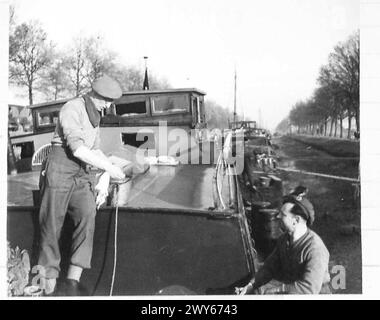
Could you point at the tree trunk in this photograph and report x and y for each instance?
(349, 126)
(77, 80)
(77, 85)
(341, 126)
(335, 126)
(357, 121)
(56, 93)
(331, 126)
(30, 89)
(325, 127)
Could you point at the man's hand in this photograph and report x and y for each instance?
(244, 290)
(275, 290)
(102, 189)
(115, 172)
(97, 159)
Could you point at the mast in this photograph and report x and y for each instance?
(235, 98)
(146, 81)
(260, 119)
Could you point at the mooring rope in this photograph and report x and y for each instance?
(116, 195)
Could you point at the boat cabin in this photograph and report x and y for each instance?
(179, 107)
(135, 113)
(242, 125)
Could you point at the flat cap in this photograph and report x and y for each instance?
(107, 87)
(306, 209)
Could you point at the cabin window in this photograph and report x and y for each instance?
(47, 118)
(202, 115)
(23, 150)
(131, 108)
(198, 110)
(251, 125)
(135, 139)
(194, 109)
(169, 104)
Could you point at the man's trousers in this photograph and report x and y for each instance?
(66, 187)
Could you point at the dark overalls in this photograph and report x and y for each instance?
(66, 186)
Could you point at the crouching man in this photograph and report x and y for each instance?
(300, 259)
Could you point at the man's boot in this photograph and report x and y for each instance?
(70, 287)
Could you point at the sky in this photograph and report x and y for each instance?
(276, 47)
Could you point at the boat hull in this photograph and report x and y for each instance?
(191, 251)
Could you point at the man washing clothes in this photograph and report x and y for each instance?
(68, 186)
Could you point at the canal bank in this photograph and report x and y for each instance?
(338, 214)
(333, 146)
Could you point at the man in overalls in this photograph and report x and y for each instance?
(68, 187)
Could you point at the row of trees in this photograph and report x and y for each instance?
(217, 116)
(336, 97)
(36, 64)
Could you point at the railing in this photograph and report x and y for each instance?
(40, 155)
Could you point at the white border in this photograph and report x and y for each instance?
(370, 156)
(3, 141)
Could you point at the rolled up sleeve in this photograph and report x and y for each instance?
(72, 128)
(97, 140)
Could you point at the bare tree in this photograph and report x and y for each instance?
(341, 75)
(283, 126)
(216, 115)
(131, 78)
(12, 18)
(85, 61)
(54, 80)
(346, 62)
(29, 54)
(99, 60)
(156, 83)
(337, 96)
(74, 63)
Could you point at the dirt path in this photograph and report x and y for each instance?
(337, 212)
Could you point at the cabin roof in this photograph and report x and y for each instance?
(49, 103)
(126, 93)
(244, 121)
(151, 92)
(16, 106)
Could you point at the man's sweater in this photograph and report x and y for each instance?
(302, 266)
